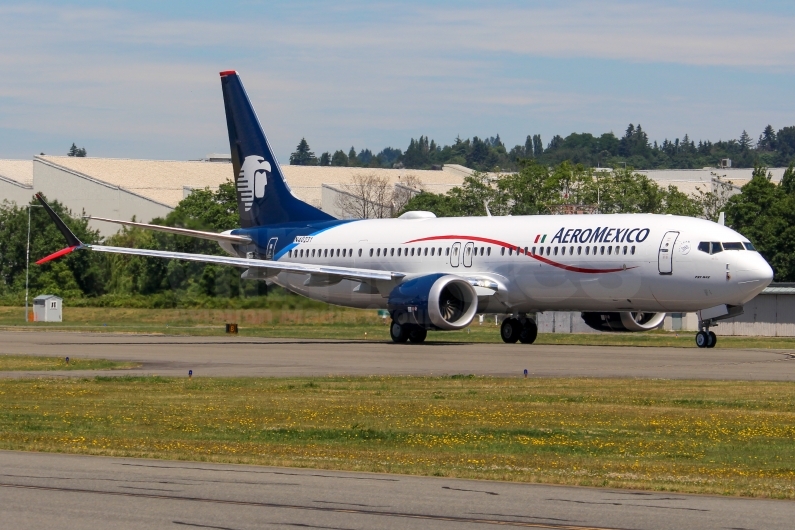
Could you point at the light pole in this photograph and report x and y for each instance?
(27, 264)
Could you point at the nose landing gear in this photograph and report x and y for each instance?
(706, 338)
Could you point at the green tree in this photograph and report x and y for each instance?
(339, 159)
(303, 156)
(325, 159)
(76, 151)
(765, 214)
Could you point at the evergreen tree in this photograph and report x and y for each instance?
(745, 141)
(538, 146)
(303, 156)
(353, 160)
(76, 151)
(767, 140)
(339, 159)
(325, 159)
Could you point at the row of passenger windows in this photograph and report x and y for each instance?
(713, 247)
(478, 251)
(549, 251)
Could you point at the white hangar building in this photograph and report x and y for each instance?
(123, 188)
(16, 181)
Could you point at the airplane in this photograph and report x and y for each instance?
(623, 272)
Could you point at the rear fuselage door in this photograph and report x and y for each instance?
(455, 254)
(665, 255)
(270, 250)
(468, 250)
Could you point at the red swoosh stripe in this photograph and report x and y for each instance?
(521, 251)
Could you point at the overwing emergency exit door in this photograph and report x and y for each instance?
(666, 253)
(455, 254)
(271, 248)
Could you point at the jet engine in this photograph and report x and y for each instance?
(624, 321)
(436, 301)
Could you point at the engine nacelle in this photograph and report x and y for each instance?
(436, 301)
(624, 321)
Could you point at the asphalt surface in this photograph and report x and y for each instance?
(238, 356)
(69, 491)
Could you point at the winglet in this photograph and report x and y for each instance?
(71, 238)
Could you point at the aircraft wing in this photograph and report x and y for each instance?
(271, 267)
(318, 272)
(212, 236)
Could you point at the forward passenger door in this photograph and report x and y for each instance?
(666, 253)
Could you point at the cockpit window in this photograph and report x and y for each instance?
(749, 246)
(711, 247)
(733, 246)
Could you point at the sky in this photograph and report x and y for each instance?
(140, 79)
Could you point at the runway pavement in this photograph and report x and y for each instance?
(238, 356)
(76, 492)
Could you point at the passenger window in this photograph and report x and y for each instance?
(733, 246)
(632, 250)
(609, 250)
(556, 251)
(360, 253)
(488, 250)
(440, 251)
(587, 251)
(571, 251)
(510, 251)
(447, 251)
(749, 246)
(625, 250)
(371, 253)
(602, 250)
(412, 251)
(540, 251)
(533, 250)
(313, 253)
(378, 252)
(716, 247)
(426, 251)
(579, 251)
(432, 251)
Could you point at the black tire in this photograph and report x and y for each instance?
(417, 334)
(529, 332)
(510, 330)
(713, 339)
(702, 339)
(398, 333)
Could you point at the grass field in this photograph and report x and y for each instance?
(334, 323)
(16, 363)
(732, 438)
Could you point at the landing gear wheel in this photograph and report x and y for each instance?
(398, 332)
(702, 339)
(510, 330)
(417, 334)
(713, 339)
(529, 332)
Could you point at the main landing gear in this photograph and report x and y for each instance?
(521, 329)
(407, 332)
(706, 338)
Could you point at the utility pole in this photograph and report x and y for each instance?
(27, 264)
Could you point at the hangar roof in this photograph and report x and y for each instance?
(18, 172)
(166, 181)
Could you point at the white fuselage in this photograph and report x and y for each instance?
(633, 262)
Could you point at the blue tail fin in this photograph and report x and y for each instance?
(263, 196)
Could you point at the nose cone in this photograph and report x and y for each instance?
(755, 275)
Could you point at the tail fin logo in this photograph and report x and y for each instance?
(252, 179)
